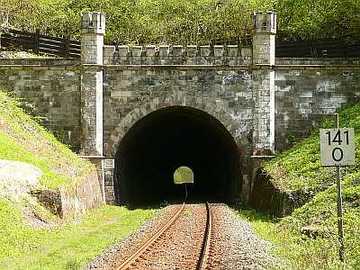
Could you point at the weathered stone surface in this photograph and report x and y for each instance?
(108, 170)
(85, 194)
(264, 38)
(305, 96)
(50, 199)
(230, 55)
(92, 56)
(132, 94)
(237, 97)
(72, 201)
(262, 103)
(49, 92)
(268, 198)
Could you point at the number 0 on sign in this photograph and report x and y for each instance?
(337, 147)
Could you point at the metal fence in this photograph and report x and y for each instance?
(39, 43)
(317, 48)
(66, 47)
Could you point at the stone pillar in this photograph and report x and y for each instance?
(264, 83)
(264, 38)
(92, 43)
(109, 193)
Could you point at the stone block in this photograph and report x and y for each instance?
(219, 51)
(108, 54)
(150, 51)
(177, 51)
(232, 50)
(123, 51)
(205, 51)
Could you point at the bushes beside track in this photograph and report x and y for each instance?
(307, 239)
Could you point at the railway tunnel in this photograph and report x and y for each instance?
(156, 145)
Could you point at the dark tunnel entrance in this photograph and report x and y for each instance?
(166, 139)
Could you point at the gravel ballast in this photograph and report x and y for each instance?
(233, 244)
(236, 243)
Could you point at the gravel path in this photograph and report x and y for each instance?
(233, 244)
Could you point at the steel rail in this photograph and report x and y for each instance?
(202, 263)
(127, 263)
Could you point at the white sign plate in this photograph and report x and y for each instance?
(337, 147)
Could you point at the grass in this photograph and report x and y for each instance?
(299, 169)
(297, 251)
(10, 150)
(70, 246)
(65, 244)
(23, 139)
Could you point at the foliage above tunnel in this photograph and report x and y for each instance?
(185, 21)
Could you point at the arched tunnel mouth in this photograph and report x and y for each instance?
(159, 143)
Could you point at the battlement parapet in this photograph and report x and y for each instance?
(229, 55)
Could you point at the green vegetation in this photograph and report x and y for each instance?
(11, 151)
(183, 175)
(70, 246)
(186, 21)
(23, 139)
(33, 238)
(299, 169)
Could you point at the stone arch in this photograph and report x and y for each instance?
(216, 108)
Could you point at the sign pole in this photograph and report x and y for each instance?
(340, 215)
(340, 206)
(337, 149)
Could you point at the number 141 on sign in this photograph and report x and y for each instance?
(337, 147)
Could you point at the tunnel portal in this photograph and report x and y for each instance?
(166, 139)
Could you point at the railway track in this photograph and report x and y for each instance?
(200, 255)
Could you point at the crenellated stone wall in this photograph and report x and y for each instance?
(230, 55)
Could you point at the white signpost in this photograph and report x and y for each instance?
(337, 149)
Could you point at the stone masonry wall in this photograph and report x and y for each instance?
(72, 200)
(50, 89)
(132, 93)
(305, 96)
(139, 80)
(230, 55)
(264, 103)
(305, 90)
(86, 194)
